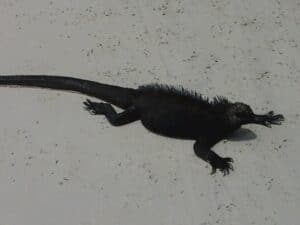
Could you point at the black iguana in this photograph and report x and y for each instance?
(162, 109)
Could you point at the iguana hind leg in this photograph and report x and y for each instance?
(116, 119)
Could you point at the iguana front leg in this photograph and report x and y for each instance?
(115, 119)
(202, 149)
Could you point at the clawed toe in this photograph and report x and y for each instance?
(270, 119)
(94, 108)
(88, 105)
(213, 170)
(223, 164)
(227, 166)
(228, 159)
(276, 119)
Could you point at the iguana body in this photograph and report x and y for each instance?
(162, 109)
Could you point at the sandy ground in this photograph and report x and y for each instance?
(60, 165)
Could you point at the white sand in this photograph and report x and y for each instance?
(60, 165)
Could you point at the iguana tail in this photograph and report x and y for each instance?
(119, 96)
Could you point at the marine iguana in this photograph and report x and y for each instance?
(162, 109)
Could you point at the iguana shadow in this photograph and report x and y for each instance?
(242, 134)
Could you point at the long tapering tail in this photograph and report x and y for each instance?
(119, 96)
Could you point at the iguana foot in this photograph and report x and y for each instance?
(95, 108)
(268, 119)
(223, 164)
